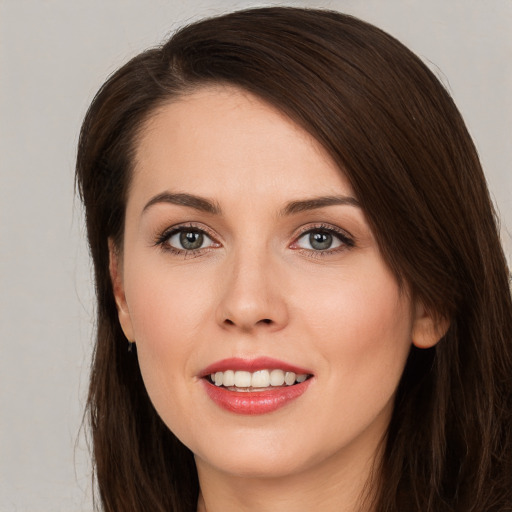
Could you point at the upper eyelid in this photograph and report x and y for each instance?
(162, 239)
(176, 228)
(325, 227)
(346, 239)
(169, 231)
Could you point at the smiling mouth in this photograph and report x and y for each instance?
(261, 380)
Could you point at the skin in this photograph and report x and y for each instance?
(257, 287)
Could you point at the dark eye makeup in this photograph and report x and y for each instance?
(192, 240)
(323, 239)
(187, 240)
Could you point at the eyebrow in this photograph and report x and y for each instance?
(208, 206)
(190, 200)
(318, 202)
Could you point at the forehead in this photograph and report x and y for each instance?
(226, 136)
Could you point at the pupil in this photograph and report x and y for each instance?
(320, 240)
(191, 239)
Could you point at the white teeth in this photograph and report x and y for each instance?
(276, 378)
(289, 378)
(258, 379)
(229, 378)
(242, 379)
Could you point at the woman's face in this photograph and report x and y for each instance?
(246, 251)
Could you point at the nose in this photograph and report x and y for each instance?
(252, 295)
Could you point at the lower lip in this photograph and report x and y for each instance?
(254, 402)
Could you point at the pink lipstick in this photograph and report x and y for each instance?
(254, 386)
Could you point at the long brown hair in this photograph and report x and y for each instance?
(402, 144)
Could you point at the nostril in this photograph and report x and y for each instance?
(266, 321)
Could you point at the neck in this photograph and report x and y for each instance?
(328, 487)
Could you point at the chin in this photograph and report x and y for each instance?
(256, 465)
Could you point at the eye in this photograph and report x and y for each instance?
(185, 240)
(189, 240)
(322, 239)
(318, 240)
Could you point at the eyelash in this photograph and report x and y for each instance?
(161, 240)
(347, 241)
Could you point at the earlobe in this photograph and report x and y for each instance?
(428, 328)
(116, 276)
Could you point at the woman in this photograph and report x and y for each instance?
(291, 229)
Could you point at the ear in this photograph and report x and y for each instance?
(428, 328)
(116, 276)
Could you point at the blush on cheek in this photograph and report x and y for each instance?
(373, 323)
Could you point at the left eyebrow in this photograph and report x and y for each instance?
(189, 200)
(318, 202)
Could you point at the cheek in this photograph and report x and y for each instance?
(167, 317)
(361, 326)
(362, 321)
(165, 304)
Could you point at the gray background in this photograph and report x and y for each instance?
(54, 54)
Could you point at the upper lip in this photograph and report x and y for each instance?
(252, 365)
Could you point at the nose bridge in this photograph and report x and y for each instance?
(251, 293)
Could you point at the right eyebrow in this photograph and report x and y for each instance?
(190, 200)
(318, 202)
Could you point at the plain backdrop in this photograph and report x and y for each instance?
(54, 54)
